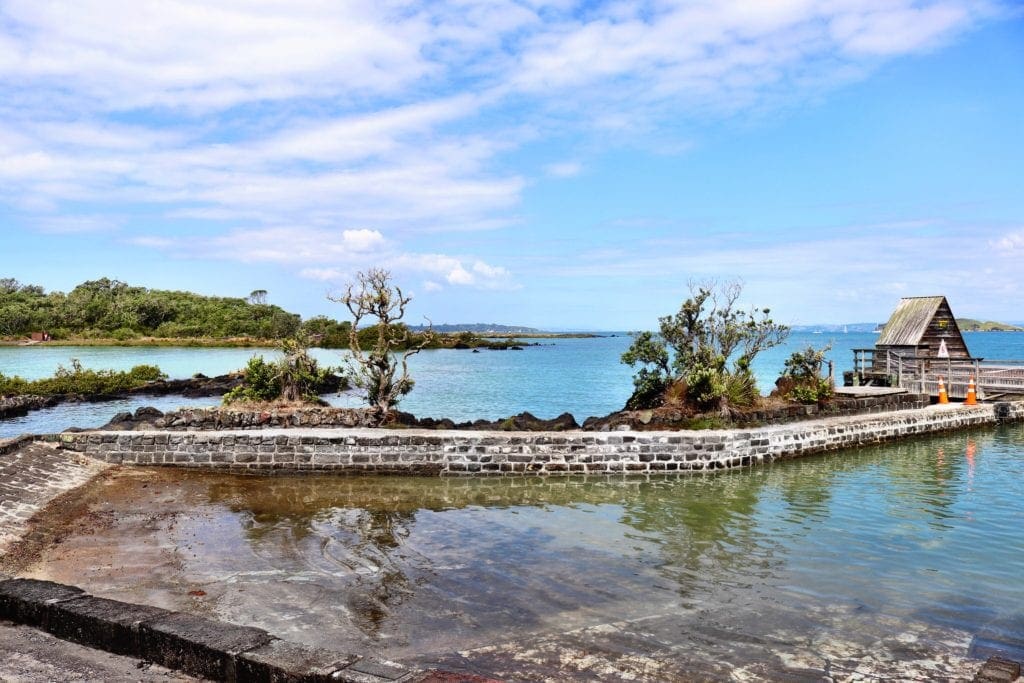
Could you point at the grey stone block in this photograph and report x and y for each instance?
(198, 646)
(28, 601)
(100, 623)
(282, 662)
(372, 671)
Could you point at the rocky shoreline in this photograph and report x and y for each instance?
(290, 417)
(198, 386)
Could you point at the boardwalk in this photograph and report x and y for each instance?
(997, 379)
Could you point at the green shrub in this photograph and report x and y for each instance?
(261, 383)
(79, 380)
(123, 334)
(697, 345)
(295, 377)
(741, 389)
(802, 376)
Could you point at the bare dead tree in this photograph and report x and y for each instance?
(381, 371)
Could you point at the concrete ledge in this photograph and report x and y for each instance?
(432, 453)
(282, 662)
(201, 647)
(15, 443)
(29, 602)
(102, 624)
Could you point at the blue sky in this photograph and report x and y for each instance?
(557, 164)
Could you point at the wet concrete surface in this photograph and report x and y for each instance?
(31, 477)
(477, 576)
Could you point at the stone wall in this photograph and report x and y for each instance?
(458, 452)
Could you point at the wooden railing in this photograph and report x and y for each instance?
(920, 374)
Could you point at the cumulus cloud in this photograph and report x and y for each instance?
(330, 255)
(457, 271)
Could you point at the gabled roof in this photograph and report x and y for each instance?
(908, 322)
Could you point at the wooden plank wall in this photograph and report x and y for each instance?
(943, 327)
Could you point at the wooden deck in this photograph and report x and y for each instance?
(994, 379)
(867, 391)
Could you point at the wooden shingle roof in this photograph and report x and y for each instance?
(909, 321)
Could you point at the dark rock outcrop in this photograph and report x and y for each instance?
(523, 422)
(16, 406)
(198, 386)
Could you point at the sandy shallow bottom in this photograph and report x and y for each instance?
(520, 580)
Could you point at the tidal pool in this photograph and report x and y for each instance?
(903, 561)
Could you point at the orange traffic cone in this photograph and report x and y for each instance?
(943, 396)
(972, 394)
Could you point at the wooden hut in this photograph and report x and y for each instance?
(919, 327)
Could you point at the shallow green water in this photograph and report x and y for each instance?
(920, 541)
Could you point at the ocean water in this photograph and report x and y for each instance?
(580, 376)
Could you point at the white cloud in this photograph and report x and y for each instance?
(898, 29)
(384, 115)
(1010, 242)
(322, 274)
(153, 242)
(564, 169)
(207, 55)
(285, 245)
(69, 225)
(331, 255)
(454, 270)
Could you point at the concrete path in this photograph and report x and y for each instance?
(31, 476)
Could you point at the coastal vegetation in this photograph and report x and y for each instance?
(701, 357)
(109, 312)
(111, 309)
(77, 380)
(802, 379)
(295, 378)
(381, 370)
(971, 325)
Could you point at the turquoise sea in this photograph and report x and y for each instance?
(580, 376)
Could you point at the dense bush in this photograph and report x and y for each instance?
(107, 308)
(79, 380)
(695, 347)
(295, 377)
(802, 378)
(261, 383)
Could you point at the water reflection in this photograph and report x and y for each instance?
(851, 547)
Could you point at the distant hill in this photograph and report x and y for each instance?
(971, 325)
(966, 325)
(837, 329)
(478, 328)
